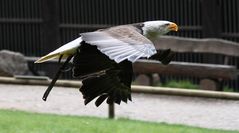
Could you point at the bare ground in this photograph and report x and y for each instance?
(200, 112)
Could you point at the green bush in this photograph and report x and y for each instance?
(180, 84)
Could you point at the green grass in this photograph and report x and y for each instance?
(185, 84)
(227, 89)
(180, 84)
(23, 122)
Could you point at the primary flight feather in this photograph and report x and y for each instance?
(103, 58)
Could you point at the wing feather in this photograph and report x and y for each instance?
(120, 43)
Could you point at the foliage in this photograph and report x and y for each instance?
(228, 89)
(185, 84)
(181, 84)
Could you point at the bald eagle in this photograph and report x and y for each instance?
(103, 59)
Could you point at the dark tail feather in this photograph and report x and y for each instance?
(101, 99)
(108, 86)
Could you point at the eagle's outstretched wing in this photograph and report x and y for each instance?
(120, 43)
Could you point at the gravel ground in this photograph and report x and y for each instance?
(200, 112)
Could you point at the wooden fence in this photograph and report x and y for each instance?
(209, 75)
(215, 74)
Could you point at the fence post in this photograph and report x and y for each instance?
(50, 32)
(111, 111)
(50, 28)
(211, 24)
(211, 18)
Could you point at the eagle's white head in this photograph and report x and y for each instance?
(153, 29)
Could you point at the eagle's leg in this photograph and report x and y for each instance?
(59, 72)
(164, 56)
(59, 61)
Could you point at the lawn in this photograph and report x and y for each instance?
(23, 122)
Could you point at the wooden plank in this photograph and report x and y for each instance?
(182, 45)
(29, 77)
(33, 59)
(184, 92)
(135, 88)
(179, 68)
(184, 68)
(34, 81)
(234, 35)
(190, 28)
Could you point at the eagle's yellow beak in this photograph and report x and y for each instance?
(173, 27)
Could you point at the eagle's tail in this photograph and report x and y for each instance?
(47, 58)
(62, 52)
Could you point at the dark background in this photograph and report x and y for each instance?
(36, 27)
